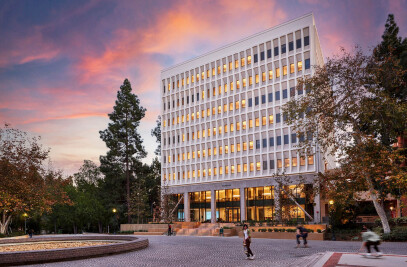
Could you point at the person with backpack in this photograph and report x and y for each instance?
(302, 232)
(370, 239)
(169, 230)
(246, 242)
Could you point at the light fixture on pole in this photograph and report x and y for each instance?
(331, 202)
(25, 215)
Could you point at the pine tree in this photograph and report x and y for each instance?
(122, 138)
(156, 132)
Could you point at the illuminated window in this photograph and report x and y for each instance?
(214, 131)
(192, 79)
(183, 118)
(257, 122)
(294, 161)
(251, 145)
(231, 86)
(199, 154)
(169, 87)
(258, 166)
(178, 156)
(237, 126)
(226, 128)
(209, 172)
(173, 121)
(182, 81)
(284, 70)
(302, 161)
(279, 163)
(183, 137)
(277, 72)
(213, 111)
(177, 83)
(257, 78)
(199, 134)
(286, 162)
(199, 173)
(226, 169)
(218, 69)
(299, 66)
(209, 132)
(220, 170)
(219, 109)
(220, 129)
(193, 135)
(232, 128)
(232, 169)
(226, 87)
(209, 151)
(203, 153)
(197, 115)
(292, 68)
(208, 74)
(251, 166)
(213, 71)
(203, 75)
(245, 167)
(220, 150)
(177, 119)
(220, 89)
(230, 65)
(215, 171)
(169, 159)
(250, 123)
(244, 82)
(203, 113)
(237, 84)
(244, 125)
(270, 75)
(215, 151)
(226, 149)
(238, 147)
(224, 67)
(244, 146)
(225, 107)
(236, 63)
(188, 155)
(232, 148)
(242, 62)
(250, 80)
(192, 116)
(249, 60)
(193, 173)
(263, 77)
(187, 117)
(239, 168)
(164, 122)
(264, 120)
(197, 77)
(243, 103)
(183, 156)
(311, 160)
(189, 174)
(214, 91)
(208, 112)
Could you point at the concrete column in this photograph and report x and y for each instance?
(317, 208)
(213, 206)
(277, 206)
(187, 210)
(242, 205)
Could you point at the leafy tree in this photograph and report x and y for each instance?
(348, 113)
(25, 184)
(156, 132)
(122, 138)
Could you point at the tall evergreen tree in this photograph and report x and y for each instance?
(156, 132)
(122, 138)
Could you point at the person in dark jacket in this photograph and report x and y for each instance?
(302, 232)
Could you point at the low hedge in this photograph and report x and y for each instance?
(397, 234)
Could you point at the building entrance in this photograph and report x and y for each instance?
(228, 205)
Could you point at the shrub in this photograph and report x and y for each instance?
(260, 224)
(310, 230)
(397, 234)
(227, 227)
(282, 230)
(270, 230)
(276, 230)
(290, 230)
(252, 223)
(319, 231)
(253, 230)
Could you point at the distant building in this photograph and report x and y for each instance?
(223, 132)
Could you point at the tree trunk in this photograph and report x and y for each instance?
(379, 209)
(127, 176)
(5, 221)
(100, 227)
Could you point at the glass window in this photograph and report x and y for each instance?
(276, 51)
(285, 94)
(299, 66)
(291, 46)
(271, 119)
(279, 140)
(243, 103)
(244, 82)
(277, 95)
(257, 122)
(307, 64)
(262, 55)
(256, 100)
(283, 48)
(230, 65)
(257, 78)
(270, 74)
(279, 163)
(298, 43)
(263, 77)
(294, 161)
(264, 121)
(255, 58)
(264, 142)
(236, 63)
(258, 166)
(277, 72)
(237, 84)
(271, 141)
(218, 69)
(257, 144)
(242, 62)
(270, 96)
(272, 164)
(306, 40)
(250, 80)
(264, 164)
(292, 68)
(293, 138)
(311, 160)
(251, 145)
(224, 67)
(278, 118)
(302, 161)
(286, 162)
(284, 70)
(249, 60)
(250, 102)
(268, 53)
(263, 99)
(286, 141)
(251, 166)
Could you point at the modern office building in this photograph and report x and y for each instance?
(224, 137)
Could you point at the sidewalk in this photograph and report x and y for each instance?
(333, 259)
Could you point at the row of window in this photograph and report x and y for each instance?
(237, 63)
(264, 143)
(231, 86)
(231, 107)
(239, 168)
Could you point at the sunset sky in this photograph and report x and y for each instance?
(62, 62)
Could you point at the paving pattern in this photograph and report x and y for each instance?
(169, 251)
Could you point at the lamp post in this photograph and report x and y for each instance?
(25, 215)
(331, 202)
(114, 220)
(391, 211)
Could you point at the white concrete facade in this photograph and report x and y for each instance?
(221, 112)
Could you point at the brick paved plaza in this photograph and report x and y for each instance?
(228, 251)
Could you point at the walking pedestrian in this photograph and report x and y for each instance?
(221, 231)
(246, 242)
(30, 233)
(370, 239)
(302, 232)
(169, 230)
